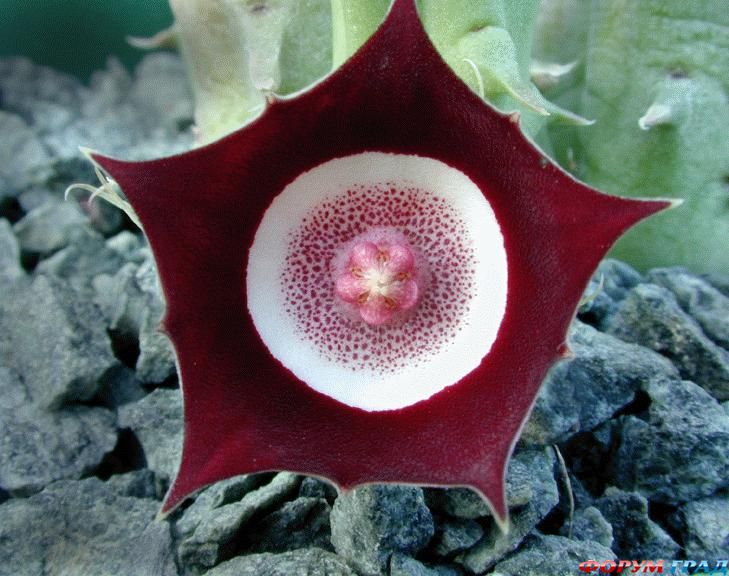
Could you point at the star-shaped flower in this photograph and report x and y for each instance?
(369, 282)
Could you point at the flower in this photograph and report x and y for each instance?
(369, 282)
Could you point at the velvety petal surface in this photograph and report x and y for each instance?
(244, 410)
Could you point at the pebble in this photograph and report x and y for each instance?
(371, 523)
(84, 527)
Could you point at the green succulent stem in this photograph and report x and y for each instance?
(655, 76)
(353, 22)
(218, 65)
(237, 51)
(487, 44)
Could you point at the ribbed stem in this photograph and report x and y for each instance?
(353, 21)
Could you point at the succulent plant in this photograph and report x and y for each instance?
(654, 75)
(379, 265)
(651, 76)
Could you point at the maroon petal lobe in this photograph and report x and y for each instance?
(246, 412)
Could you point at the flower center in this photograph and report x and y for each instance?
(378, 277)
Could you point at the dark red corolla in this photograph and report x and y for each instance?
(369, 282)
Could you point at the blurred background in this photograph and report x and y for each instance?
(77, 36)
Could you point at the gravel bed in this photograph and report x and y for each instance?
(633, 430)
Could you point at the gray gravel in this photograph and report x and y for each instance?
(303, 562)
(634, 533)
(544, 555)
(91, 415)
(704, 523)
(84, 528)
(679, 451)
(55, 339)
(156, 421)
(583, 392)
(371, 523)
(650, 315)
(533, 471)
(10, 268)
(133, 305)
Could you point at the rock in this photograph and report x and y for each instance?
(22, 156)
(10, 269)
(108, 87)
(161, 91)
(707, 305)
(130, 247)
(49, 227)
(39, 447)
(635, 535)
(128, 114)
(590, 525)
(13, 392)
(56, 340)
(544, 555)
(681, 452)
(607, 288)
(119, 387)
(156, 421)
(46, 98)
(108, 113)
(35, 196)
(133, 304)
(301, 523)
(208, 544)
(581, 393)
(137, 483)
(705, 527)
(456, 535)
(371, 523)
(315, 488)
(531, 472)
(306, 562)
(85, 257)
(580, 494)
(718, 281)
(83, 527)
(156, 360)
(464, 503)
(401, 565)
(216, 495)
(651, 316)
(457, 502)
(118, 297)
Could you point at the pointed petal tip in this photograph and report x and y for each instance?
(660, 204)
(495, 498)
(499, 509)
(565, 352)
(503, 522)
(674, 202)
(172, 500)
(90, 154)
(270, 97)
(646, 207)
(94, 156)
